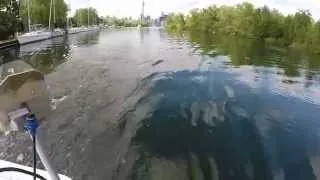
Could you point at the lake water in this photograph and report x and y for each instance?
(140, 104)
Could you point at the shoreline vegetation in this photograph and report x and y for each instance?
(14, 17)
(9, 13)
(297, 31)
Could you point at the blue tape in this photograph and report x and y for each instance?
(31, 124)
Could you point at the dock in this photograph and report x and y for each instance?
(8, 43)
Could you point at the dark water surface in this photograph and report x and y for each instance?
(139, 104)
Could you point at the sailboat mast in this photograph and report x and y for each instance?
(142, 12)
(28, 7)
(50, 15)
(80, 19)
(54, 12)
(68, 15)
(88, 15)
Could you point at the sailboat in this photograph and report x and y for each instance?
(74, 30)
(92, 27)
(33, 36)
(56, 32)
(35, 32)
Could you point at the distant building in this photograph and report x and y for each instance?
(147, 20)
(161, 20)
(142, 18)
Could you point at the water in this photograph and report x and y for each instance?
(130, 104)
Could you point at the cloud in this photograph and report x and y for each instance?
(126, 8)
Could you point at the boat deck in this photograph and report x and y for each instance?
(13, 175)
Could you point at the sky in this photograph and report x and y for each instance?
(132, 8)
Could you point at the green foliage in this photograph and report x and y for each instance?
(250, 51)
(123, 22)
(244, 20)
(175, 22)
(314, 38)
(8, 18)
(40, 11)
(81, 17)
(126, 22)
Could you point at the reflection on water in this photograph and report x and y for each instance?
(243, 51)
(9, 54)
(249, 112)
(284, 71)
(224, 108)
(88, 38)
(220, 129)
(46, 55)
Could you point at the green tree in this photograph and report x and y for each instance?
(314, 38)
(302, 25)
(244, 20)
(8, 18)
(175, 22)
(40, 11)
(122, 22)
(81, 16)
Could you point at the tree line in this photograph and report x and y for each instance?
(40, 12)
(83, 16)
(9, 12)
(80, 18)
(14, 15)
(124, 22)
(244, 20)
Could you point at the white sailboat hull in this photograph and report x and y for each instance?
(74, 30)
(82, 29)
(12, 175)
(93, 28)
(57, 33)
(33, 37)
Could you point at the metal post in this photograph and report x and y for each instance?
(45, 161)
(54, 12)
(142, 13)
(94, 21)
(88, 16)
(68, 13)
(28, 7)
(80, 19)
(67, 23)
(50, 15)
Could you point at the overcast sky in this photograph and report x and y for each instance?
(126, 8)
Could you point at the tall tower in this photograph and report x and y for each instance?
(142, 13)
